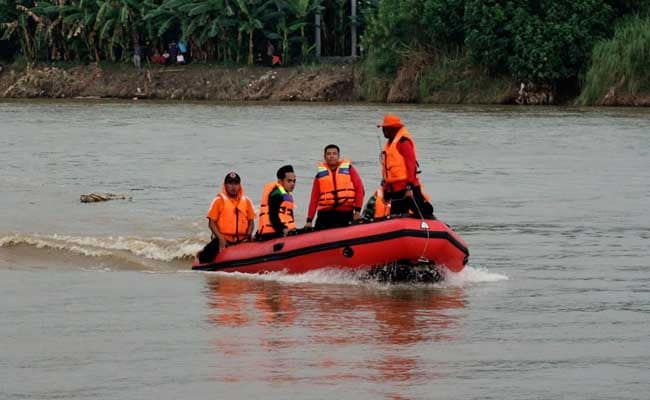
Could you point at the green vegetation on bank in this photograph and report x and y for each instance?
(449, 78)
(229, 31)
(545, 41)
(413, 50)
(622, 63)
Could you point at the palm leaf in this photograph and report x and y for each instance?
(124, 16)
(165, 25)
(200, 9)
(105, 31)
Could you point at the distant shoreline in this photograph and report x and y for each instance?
(198, 82)
(187, 82)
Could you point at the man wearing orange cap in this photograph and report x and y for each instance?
(231, 218)
(399, 168)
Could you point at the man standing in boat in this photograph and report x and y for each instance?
(399, 169)
(231, 218)
(337, 192)
(276, 206)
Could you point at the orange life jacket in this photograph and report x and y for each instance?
(336, 188)
(382, 207)
(392, 162)
(285, 214)
(233, 221)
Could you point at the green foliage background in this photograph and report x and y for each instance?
(540, 41)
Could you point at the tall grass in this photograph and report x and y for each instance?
(622, 62)
(441, 78)
(454, 79)
(375, 83)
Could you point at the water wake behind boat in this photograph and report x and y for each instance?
(112, 252)
(166, 255)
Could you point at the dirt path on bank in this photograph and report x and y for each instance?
(190, 82)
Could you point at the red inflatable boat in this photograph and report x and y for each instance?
(403, 240)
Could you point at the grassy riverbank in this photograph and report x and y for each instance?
(619, 73)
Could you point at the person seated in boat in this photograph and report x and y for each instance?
(337, 192)
(231, 218)
(377, 207)
(399, 168)
(276, 206)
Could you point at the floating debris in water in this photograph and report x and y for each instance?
(96, 197)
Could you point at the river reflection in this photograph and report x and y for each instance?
(284, 332)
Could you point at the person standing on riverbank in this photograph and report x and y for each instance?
(337, 192)
(137, 55)
(276, 206)
(173, 52)
(231, 218)
(399, 168)
(270, 52)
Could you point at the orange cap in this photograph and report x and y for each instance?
(391, 121)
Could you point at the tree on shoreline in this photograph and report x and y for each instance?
(104, 30)
(546, 41)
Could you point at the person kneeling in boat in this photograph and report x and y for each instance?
(231, 218)
(399, 168)
(378, 207)
(276, 206)
(337, 192)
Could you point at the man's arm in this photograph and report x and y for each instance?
(215, 231)
(313, 202)
(250, 216)
(359, 192)
(213, 216)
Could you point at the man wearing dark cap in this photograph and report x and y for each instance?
(231, 218)
(399, 168)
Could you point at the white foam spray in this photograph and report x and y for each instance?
(158, 249)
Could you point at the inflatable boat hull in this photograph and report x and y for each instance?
(359, 246)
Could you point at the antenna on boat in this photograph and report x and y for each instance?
(379, 145)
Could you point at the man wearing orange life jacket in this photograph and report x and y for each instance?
(337, 192)
(276, 206)
(399, 169)
(231, 218)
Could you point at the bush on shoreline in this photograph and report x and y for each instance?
(621, 64)
(412, 50)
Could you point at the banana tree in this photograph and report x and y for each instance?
(14, 27)
(206, 20)
(301, 9)
(284, 34)
(59, 28)
(116, 23)
(253, 20)
(78, 35)
(27, 26)
(200, 21)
